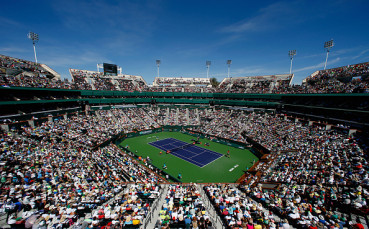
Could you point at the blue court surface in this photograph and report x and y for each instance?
(191, 153)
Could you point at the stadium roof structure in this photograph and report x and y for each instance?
(180, 81)
(90, 74)
(250, 79)
(27, 67)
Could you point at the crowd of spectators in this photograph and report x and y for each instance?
(56, 171)
(87, 130)
(347, 79)
(309, 206)
(30, 80)
(257, 84)
(174, 116)
(88, 80)
(189, 89)
(193, 117)
(21, 65)
(183, 208)
(80, 79)
(227, 125)
(137, 120)
(58, 181)
(237, 210)
(212, 119)
(146, 117)
(321, 172)
(126, 85)
(181, 81)
(104, 84)
(158, 114)
(129, 209)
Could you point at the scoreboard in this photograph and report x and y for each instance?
(110, 69)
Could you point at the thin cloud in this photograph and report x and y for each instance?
(206, 47)
(249, 71)
(267, 18)
(120, 16)
(9, 22)
(68, 60)
(119, 25)
(318, 66)
(13, 50)
(361, 54)
(312, 56)
(343, 51)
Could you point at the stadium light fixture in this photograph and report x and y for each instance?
(229, 62)
(208, 63)
(158, 62)
(291, 54)
(328, 45)
(34, 37)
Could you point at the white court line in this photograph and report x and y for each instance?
(203, 150)
(210, 151)
(212, 161)
(207, 150)
(164, 146)
(220, 155)
(190, 158)
(191, 153)
(194, 162)
(158, 140)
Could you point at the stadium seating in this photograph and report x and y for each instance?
(63, 170)
(65, 147)
(237, 210)
(183, 208)
(256, 84)
(347, 79)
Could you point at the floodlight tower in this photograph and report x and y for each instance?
(158, 62)
(291, 54)
(229, 62)
(208, 63)
(328, 45)
(34, 37)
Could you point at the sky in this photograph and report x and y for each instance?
(255, 35)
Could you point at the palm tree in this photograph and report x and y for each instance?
(214, 82)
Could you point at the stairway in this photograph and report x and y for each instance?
(116, 84)
(147, 126)
(149, 117)
(127, 118)
(150, 220)
(112, 116)
(214, 218)
(51, 71)
(225, 119)
(92, 83)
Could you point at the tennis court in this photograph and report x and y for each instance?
(187, 151)
(222, 170)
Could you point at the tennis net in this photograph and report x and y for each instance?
(181, 147)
